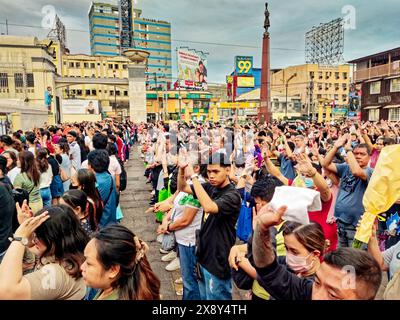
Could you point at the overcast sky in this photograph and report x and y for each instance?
(239, 22)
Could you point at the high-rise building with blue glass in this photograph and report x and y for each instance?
(116, 27)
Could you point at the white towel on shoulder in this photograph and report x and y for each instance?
(299, 202)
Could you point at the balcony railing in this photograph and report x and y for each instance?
(385, 70)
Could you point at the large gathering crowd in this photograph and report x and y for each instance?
(270, 208)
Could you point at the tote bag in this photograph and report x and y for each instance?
(245, 221)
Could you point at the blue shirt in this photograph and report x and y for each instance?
(106, 185)
(349, 204)
(287, 168)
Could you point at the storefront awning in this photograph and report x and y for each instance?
(392, 106)
(372, 107)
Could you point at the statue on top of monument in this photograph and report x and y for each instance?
(266, 22)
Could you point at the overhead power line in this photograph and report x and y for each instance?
(174, 40)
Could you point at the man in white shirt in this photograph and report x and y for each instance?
(74, 150)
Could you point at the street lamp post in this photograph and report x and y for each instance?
(287, 86)
(115, 97)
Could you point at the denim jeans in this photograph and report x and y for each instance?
(188, 260)
(45, 193)
(346, 233)
(214, 288)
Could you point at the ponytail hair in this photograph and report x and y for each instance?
(117, 245)
(41, 160)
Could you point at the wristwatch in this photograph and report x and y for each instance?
(194, 176)
(168, 227)
(23, 240)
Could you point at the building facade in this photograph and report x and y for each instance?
(314, 84)
(111, 98)
(26, 71)
(167, 105)
(150, 35)
(378, 75)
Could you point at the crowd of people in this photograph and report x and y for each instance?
(270, 208)
(59, 211)
(273, 208)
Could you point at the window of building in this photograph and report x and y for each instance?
(118, 93)
(86, 65)
(327, 75)
(111, 92)
(336, 86)
(344, 86)
(336, 97)
(71, 65)
(78, 64)
(30, 83)
(92, 65)
(319, 96)
(311, 74)
(110, 66)
(88, 92)
(3, 80)
(337, 75)
(373, 115)
(78, 92)
(116, 66)
(320, 75)
(344, 97)
(18, 80)
(124, 66)
(395, 85)
(345, 75)
(94, 93)
(394, 114)
(375, 87)
(125, 93)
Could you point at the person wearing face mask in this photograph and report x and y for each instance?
(329, 277)
(305, 246)
(240, 258)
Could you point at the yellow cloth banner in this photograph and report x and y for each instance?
(382, 192)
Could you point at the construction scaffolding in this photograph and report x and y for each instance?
(58, 34)
(126, 24)
(325, 43)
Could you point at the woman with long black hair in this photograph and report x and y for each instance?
(116, 265)
(29, 179)
(85, 180)
(55, 236)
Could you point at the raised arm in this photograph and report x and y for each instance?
(355, 168)
(331, 154)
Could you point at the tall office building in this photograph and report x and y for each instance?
(115, 28)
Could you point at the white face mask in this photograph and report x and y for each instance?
(298, 264)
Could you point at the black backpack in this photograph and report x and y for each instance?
(123, 177)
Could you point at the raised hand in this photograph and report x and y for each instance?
(341, 141)
(268, 217)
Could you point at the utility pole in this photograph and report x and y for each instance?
(287, 86)
(158, 105)
(115, 97)
(6, 27)
(179, 85)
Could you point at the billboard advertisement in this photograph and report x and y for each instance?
(192, 68)
(245, 82)
(243, 65)
(73, 106)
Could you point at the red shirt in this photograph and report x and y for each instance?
(120, 145)
(330, 230)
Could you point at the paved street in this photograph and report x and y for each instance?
(134, 202)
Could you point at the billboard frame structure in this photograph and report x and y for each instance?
(200, 53)
(324, 44)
